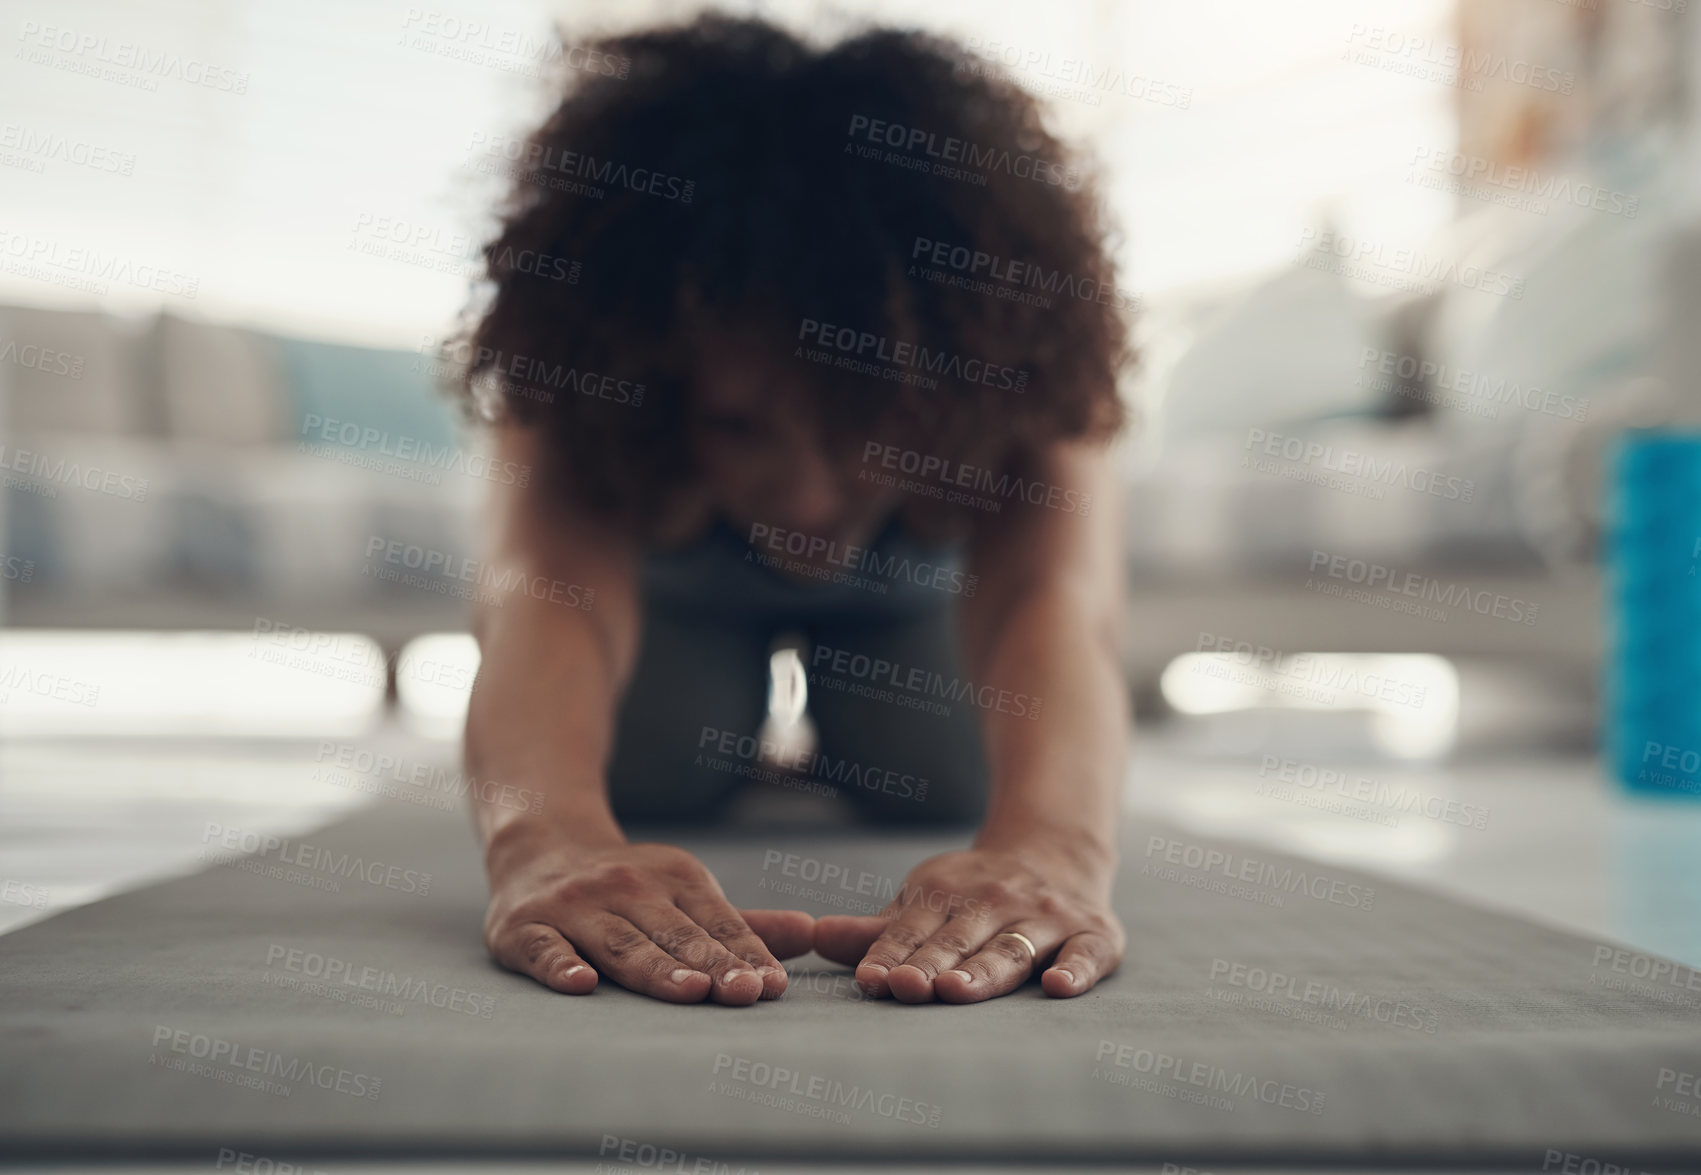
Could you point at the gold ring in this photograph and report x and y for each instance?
(1025, 940)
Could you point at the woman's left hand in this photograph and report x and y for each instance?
(942, 937)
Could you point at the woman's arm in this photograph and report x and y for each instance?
(569, 894)
(1046, 621)
(551, 674)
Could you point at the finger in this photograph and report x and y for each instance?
(628, 956)
(539, 951)
(949, 944)
(671, 928)
(1085, 959)
(733, 934)
(903, 934)
(845, 938)
(786, 933)
(999, 967)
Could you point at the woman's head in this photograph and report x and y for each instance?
(805, 256)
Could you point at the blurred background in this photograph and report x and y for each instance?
(1401, 270)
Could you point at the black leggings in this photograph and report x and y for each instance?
(685, 737)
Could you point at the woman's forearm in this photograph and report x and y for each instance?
(540, 716)
(551, 672)
(1058, 775)
(1048, 622)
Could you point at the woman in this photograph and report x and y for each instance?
(818, 341)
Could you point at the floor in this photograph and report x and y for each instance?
(1543, 835)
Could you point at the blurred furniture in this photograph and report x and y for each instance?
(218, 500)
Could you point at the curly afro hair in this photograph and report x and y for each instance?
(725, 174)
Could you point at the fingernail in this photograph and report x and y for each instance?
(871, 985)
(681, 975)
(1066, 974)
(573, 970)
(736, 973)
(963, 975)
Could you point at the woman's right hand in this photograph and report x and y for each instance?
(649, 916)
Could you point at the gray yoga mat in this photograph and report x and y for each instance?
(330, 997)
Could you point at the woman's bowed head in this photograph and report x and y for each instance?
(794, 324)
